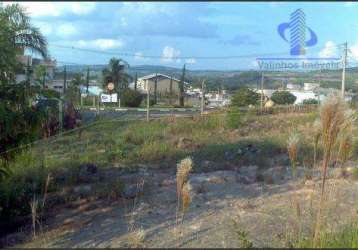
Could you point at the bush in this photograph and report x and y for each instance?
(245, 97)
(283, 97)
(234, 118)
(131, 98)
(310, 101)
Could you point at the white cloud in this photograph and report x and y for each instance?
(170, 54)
(56, 8)
(124, 22)
(348, 4)
(44, 27)
(190, 61)
(83, 8)
(139, 56)
(354, 51)
(329, 50)
(102, 44)
(66, 30)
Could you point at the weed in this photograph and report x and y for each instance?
(242, 235)
(136, 238)
(292, 147)
(355, 174)
(335, 118)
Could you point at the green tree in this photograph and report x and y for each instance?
(73, 90)
(40, 74)
(17, 34)
(283, 97)
(181, 88)
(19, 122)
(244, 97)
(116, 72)
(131, 98)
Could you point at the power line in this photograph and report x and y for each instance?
(128, 54)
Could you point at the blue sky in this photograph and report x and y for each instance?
(188, 29)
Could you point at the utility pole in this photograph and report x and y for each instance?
(155, 88)
(64, 80)
(147, 101)
(202, 96)
(87, 80)
(60, 115)
(344, 68)
(181, 89)
(171, 91)
(135, 81)
(262, 91)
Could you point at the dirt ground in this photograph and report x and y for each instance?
(224, 204)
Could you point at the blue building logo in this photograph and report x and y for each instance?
(298, 30)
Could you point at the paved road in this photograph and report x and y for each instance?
(89, 115)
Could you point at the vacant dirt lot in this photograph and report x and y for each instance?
(270, 210)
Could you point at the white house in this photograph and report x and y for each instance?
(165, 84)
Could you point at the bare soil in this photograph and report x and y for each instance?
(273, 211)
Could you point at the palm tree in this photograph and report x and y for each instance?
(22, 34)
(16, 35)
(116, 73)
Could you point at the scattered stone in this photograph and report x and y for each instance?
(82, 190)
(229, 156)
(185, 143)
(249, 171)
(274, 175)
(309, 183)
(132, 191)
(88, 173)
(167, 182)
(247, 180)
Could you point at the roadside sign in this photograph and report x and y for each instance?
(110, 86)
(109, 98)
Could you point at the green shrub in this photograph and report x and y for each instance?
(245, 97)
(347, 238)
(310, 101)
(131, 98)
(234, 118)
(283, 97)
(143, 132)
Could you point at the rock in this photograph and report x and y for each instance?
(185, 143)
(207, 164)
(274, 175)
(88, 173)
(310, 183)
(249, 171)
(132, 191)
(229, 156)
(83, 190)
(200, 182)
(246, 179)
(167, 182)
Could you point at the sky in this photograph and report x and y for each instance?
(182, 32)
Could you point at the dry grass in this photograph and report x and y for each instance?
(335, 118)
(292, 147)
(183, 169)
(136, 239)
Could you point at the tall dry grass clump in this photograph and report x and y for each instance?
(183, 187)
(335, 120)
(292, 147)
(316, 136)
(183, 169)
